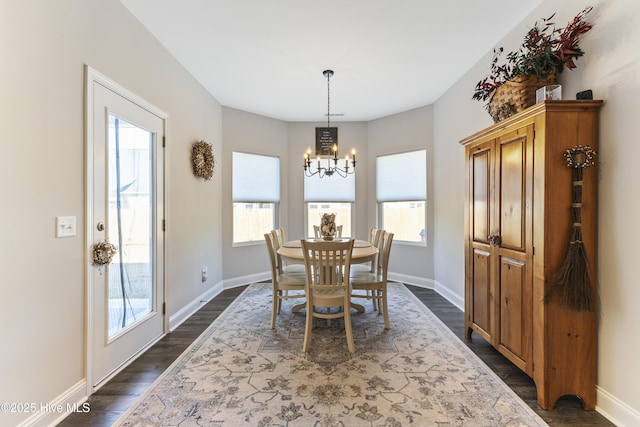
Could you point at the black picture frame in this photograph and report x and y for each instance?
(326, 137)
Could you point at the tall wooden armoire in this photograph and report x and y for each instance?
(518, 221)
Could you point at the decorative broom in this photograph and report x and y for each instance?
(573, 279)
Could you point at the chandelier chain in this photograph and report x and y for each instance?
(328, 99)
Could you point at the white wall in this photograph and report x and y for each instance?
(406, 131)
(262, 135)
(611, 68)
(301, 136)
(249, 133)
(45, 46)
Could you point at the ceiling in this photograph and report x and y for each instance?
(389, 56)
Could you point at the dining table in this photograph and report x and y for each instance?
(363, 252)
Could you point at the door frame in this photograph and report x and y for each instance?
(91, 77)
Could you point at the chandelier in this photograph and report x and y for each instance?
(326, 142)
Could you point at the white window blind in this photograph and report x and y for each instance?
(402, 176)
(256, 178)
(330, 189)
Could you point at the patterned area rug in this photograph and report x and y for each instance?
(240, 372)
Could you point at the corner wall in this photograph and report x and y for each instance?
(45, 46)
(406, 131)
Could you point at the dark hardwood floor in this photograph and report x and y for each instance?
(110, 401)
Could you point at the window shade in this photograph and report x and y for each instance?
(402, 176)
(330, 189)
(256, 178)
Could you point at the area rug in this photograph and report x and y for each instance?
(240, 372)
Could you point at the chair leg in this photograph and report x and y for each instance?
(275, 308)
(349, 331)
(307, 328)
(385, 308)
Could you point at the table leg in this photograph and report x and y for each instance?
(358, 307)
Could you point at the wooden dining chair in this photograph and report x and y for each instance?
(374, 283)
(282, 281)
(374, 237)
(279, 240)
(327, 285)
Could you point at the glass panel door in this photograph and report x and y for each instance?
(130, 224)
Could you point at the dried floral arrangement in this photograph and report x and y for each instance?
(328, 225)
(545, 51)
(203, 160)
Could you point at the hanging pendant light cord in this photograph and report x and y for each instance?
(328, 98)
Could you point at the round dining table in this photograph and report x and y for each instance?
(362, 252)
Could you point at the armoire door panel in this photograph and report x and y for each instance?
(480, 201)
(512, 207)
(512, 305)
(481, 290)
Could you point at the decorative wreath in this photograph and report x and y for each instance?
(103, 252)
(203, 160)
(580, 157)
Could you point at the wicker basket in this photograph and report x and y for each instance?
(514, 96)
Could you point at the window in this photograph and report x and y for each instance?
(342, 211)
(330, 195)
(401, 192)
(256, 195)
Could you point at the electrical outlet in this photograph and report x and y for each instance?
(204, 274)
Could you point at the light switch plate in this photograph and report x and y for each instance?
(65, 226)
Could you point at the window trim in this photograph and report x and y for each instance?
(380, 203)
(275, 201)
(306, 214)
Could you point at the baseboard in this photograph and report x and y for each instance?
(188, 310)
(445, 292)
(615, 410)
(50, 414)
(411, 280)
(449, 295)
(245, 280)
